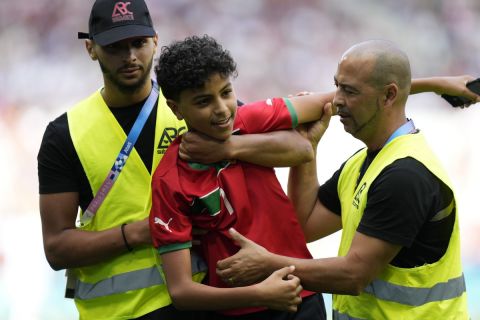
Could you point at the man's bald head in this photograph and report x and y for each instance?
(388, 64)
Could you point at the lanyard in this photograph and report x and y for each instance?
(122, 157)
(406, 128)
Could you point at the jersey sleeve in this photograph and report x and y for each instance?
(170, 225)
(267, 115)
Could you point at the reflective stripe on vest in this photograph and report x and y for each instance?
(133, 280)
(411, 296)
(341, 316)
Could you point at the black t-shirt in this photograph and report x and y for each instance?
(59, 167)
(400, 204)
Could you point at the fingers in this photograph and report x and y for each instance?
(237, 237)
(328, 111)
(293, 307)
(183, 152)
(223, 270)
(284, 272)
(223, 266)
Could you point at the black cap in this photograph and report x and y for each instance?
(113, 20)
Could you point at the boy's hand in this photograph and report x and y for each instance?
(456, 86)
(281, 291)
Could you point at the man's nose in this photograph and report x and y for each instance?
(338, 100)
(129, 54)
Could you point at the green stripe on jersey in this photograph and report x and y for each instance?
(292, 111)
(174, 247)
(209, 202)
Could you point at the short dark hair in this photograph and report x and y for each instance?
(188, 64)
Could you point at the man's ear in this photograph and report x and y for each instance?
(155, 42)
(174, 107)
(90, 46)
(390, 94)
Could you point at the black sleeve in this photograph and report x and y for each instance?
(328, 193)
(57, 161)
(399, 202)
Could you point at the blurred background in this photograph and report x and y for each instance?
(281, 47)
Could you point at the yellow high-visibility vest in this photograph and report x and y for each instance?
(131, 284)
(431, 291)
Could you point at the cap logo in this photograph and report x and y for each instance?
(121, 12)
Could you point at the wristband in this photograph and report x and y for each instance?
(122, 228)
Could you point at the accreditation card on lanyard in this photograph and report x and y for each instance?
(122, 157)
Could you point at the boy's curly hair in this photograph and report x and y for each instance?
(188, 64)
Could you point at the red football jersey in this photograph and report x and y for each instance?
(219, 196)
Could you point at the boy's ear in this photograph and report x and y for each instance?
(174, 107)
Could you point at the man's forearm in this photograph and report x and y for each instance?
(330, 275)
(302, 189)
(75, 248)
(273, 149)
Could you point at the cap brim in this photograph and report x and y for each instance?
(123, 32)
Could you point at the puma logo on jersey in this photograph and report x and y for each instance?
(162, 223)
(168, 135)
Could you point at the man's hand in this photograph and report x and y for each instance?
(314, 131)
(281, 291)
(200, 148)
(247, 266)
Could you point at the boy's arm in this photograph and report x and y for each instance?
(455, 86)
(274, 292)
(309, 108)
(272, 149)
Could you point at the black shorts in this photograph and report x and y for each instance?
(311, 308)
(171, 313)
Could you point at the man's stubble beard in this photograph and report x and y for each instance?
(127, 88)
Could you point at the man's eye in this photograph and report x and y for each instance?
(140, 43)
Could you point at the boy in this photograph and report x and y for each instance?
(194, 76)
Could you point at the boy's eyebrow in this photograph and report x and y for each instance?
(206, 95)
(228, 84)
